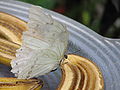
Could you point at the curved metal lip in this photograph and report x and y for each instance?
(55, 15)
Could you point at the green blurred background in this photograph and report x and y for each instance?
(102, 16)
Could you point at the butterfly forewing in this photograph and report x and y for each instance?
(44, 45)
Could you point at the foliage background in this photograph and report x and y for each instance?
(87, 12)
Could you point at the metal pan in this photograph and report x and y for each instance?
(105, 52)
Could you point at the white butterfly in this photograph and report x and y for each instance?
(44, 45)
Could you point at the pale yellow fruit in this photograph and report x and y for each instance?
(11, 29)
(7, 51)
(20, 84)
(79, 73)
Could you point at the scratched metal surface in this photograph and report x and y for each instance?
(105, 52)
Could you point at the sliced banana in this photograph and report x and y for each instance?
(11, 27)
(20, 84)
(79, 73)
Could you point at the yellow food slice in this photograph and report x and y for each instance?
(11, 27)
(9, 44)
(79, 73)
(20, 84)
(6, 58)
(7, 51)
(5, 61)
(13, 20)
(8, 34)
